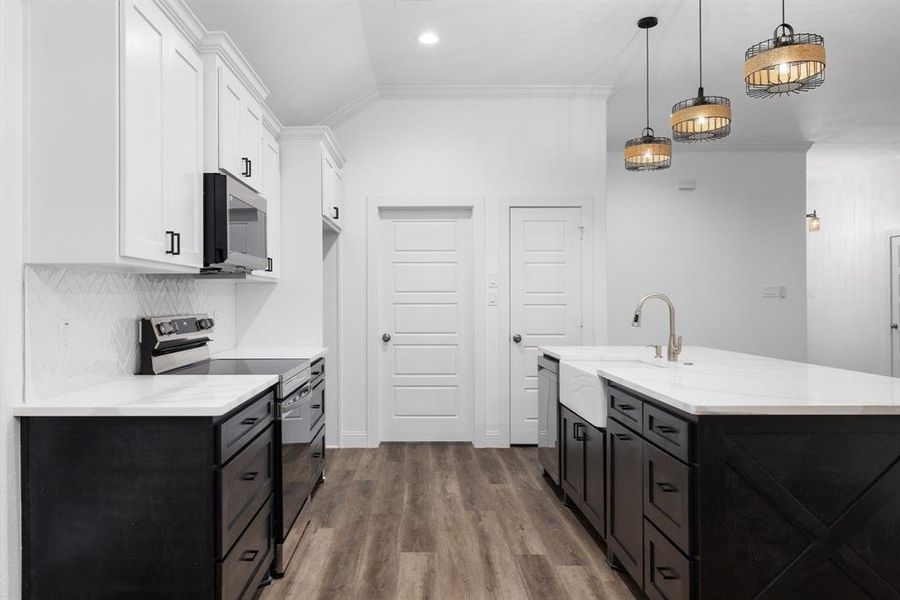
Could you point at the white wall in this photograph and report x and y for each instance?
(11, 324)
(289, 313)
(487, 147)
(849, 261)
(712, 250)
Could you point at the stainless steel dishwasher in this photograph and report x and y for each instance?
(548, 416)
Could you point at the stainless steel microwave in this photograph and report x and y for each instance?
(234, 226)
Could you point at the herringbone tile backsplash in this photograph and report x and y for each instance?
(101, 309)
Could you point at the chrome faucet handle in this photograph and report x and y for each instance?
(657, 348)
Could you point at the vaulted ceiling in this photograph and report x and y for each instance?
(318, 56)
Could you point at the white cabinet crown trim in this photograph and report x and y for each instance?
(321, 133)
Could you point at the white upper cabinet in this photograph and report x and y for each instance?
(332, 188)
(234, 125)
(270, 184)
(123, 137)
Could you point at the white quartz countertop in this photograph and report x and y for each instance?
(154, 396)
(311, 353)
(707, 381)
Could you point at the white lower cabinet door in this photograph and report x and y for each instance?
(545, 303)
(143, 233)
(425, 313)
(183, 167)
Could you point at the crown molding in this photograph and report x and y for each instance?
(351, 108)
(271, 121)
(218, 43)
(315, 133)
(453, 92)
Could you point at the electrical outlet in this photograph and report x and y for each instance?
(492, 298)
(492, 280)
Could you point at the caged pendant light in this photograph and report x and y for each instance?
(789, 63)
(702, 117)
(648, 152)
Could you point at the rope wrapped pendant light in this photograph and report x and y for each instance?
(789, 63)
(648, 152)
(702, 117)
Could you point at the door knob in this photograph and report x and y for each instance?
(385, 337)
(517, 338)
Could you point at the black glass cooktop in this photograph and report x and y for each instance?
(243, 366)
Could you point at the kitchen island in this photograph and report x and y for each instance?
(734, 476)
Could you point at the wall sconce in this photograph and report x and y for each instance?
(814, 222)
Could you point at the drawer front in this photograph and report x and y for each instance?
(251, 555)
(244, 484)
(667, 495)
(317, 369)
(626, 408)
(317, 454)
(667, 572)
(549, 364)
(239, 429)
(669, 432)
(317, 405)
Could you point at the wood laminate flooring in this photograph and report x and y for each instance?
(443, 521)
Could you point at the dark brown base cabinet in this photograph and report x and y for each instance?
(741, 507)
(583, 469)
(148, 507)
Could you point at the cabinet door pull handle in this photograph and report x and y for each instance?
(578, 428)
(317, 455)
(623, 437)
(171, 249)
(316, 406)
(666, 487)
(625, 407)
(249, 168)
(249, 555)
(246, 172)
(250, 421)
(666, 429)
(337, 212)
(269, 268)
(177, 238)
(667, 573)
(249, 476)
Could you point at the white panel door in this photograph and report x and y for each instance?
(143, 233)
(251, 142)
(270, 184)
(895, 306)
(545, 289)
(425, 306)
(183, 168)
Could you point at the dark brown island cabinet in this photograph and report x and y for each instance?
(717, 507)
(148, 507)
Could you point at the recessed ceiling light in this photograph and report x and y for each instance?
(429, 38)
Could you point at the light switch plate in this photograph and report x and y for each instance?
(774, 291)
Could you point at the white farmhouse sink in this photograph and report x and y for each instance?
(582, 391)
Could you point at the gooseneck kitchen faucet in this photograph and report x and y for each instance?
(674, 348)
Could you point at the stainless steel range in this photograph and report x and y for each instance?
(179, 345)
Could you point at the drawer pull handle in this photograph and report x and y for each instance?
(578, 432)
(666, 429)
(667, 573)
(249, 555)
(316, 406)
(317, 455)
(625, 407)
(250, 476)
(250, 421)
(666, 487)
(622, 436)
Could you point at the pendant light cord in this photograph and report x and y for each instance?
(647, 54)
(700, 21)
(782, 12)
